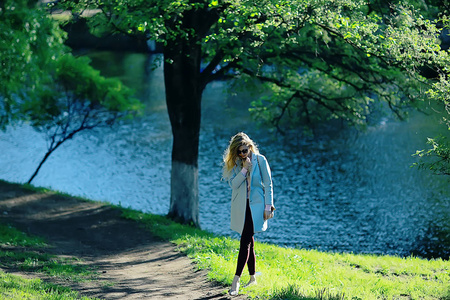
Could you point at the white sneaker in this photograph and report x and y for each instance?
(251, 282)
(234, 291)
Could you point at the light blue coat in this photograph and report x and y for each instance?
(261, 194)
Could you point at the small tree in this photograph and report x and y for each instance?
(80, 99)
(43, 83)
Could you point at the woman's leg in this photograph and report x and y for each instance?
(251, 257)
(246, 249)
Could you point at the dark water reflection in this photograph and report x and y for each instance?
(342, 191)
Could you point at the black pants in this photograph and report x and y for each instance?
(246, 249)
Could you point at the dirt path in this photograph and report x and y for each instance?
(132, 264)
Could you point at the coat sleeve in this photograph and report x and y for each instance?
(236, 179)
(267, 180)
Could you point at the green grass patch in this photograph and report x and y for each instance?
(31, 260)
(17, 288)
(288, 273)
(63, 268)
(13, 237)
(22, 255)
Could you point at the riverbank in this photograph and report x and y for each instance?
(87, 248)
(129, 254)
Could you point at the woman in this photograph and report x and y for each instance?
(249, 176)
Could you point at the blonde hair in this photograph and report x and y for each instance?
(230, 155)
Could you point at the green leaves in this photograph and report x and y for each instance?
(29, 42)
(38, 75)
(214, 3)
(437, 157)
(316, 60)
(357, 56)
(80, 97)
(42, 83)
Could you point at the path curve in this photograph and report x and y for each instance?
(132, 264)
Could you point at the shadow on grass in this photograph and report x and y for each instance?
(33, 261)
(447, 297)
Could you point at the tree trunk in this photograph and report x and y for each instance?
(50, 151)
(183, 97)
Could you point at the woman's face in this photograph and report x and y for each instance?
(243, 151)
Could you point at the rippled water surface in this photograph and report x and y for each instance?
(344, 191)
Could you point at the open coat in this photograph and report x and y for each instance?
(261, 194)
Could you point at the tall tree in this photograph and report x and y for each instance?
(320, 59)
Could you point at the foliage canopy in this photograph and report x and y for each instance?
(317, 60)
(355, 49)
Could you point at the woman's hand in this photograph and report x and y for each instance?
(268, 215)
(247, 163)
(268, 212)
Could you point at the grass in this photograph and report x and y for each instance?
(16, 287)
(35, 261)
(286, 273)
(11, 236)
(22, 254)
(307, 274)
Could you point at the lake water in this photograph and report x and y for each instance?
(345, 191)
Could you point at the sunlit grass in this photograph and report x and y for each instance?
(17, 288)
(288, 273)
